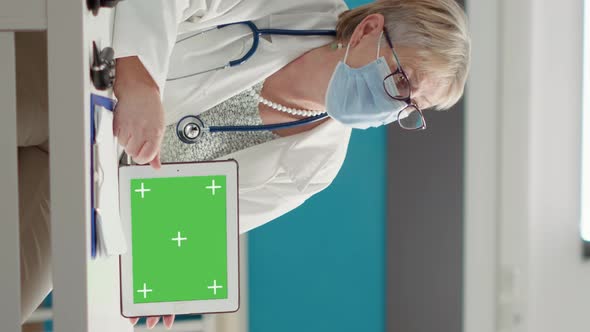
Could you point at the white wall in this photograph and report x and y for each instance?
(560, 280)
(523, 169)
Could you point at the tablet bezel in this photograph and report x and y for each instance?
(228, 168)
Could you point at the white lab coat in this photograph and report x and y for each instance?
(274, 177)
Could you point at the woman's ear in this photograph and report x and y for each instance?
(370, 26)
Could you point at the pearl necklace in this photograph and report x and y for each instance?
(279, 107)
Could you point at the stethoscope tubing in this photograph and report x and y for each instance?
(276, 126)
(269, 127)
(256, 33)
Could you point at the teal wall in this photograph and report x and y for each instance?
(321, 268)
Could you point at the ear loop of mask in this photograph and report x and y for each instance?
(378, 48)
(346, 54)
(379, 44)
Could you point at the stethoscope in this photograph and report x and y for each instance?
(191, 127)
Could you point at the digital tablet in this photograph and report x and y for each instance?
(181, 227)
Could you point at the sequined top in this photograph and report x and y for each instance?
(241, 109)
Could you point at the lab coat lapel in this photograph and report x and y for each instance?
(309, 154)
(300, 158)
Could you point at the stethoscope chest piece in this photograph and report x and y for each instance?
(189, 129)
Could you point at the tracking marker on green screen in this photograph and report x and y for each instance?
(179, 239)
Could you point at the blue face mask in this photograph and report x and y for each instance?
(356, 96)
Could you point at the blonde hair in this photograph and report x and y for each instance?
(436, 29)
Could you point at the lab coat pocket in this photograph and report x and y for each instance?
(110, 237)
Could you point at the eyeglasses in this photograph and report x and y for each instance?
(410, 117)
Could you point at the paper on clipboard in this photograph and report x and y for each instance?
(109, 231)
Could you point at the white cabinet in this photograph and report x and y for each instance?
(86, 291)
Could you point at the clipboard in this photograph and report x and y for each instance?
(106, 231)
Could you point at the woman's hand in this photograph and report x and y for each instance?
(139, 115)
(139, 126)
(153, 320)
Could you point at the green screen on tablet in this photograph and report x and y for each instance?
(179, 239)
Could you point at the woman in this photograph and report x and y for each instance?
(389, 59)
(343, 76)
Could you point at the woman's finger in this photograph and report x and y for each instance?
(156, 163)
(168, 321)
(133, 146)
(134, 320)
(116, 124)
(146, 153)
(152, 321)
(123, 137)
